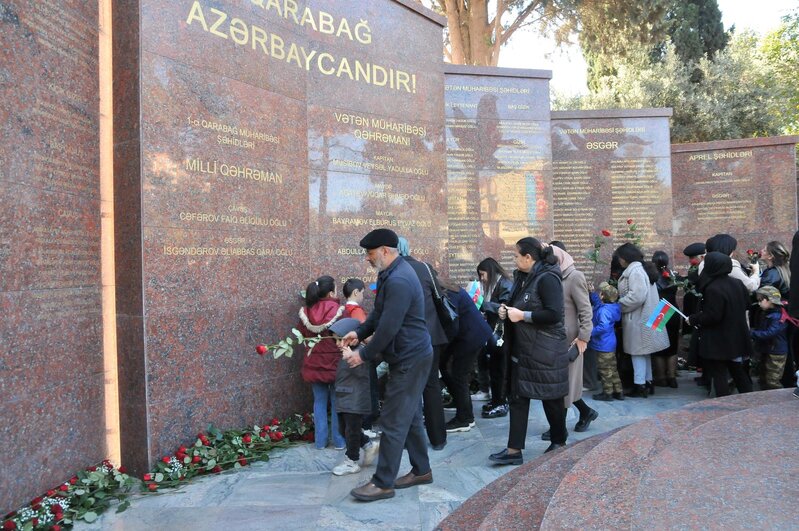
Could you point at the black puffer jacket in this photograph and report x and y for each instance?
(721, 320)
(538, 347)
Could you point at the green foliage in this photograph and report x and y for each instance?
(696, 30)
(285, 347)
(739, 95)
(781, 49)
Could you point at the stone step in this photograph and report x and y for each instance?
(610, 474)
(474, 511)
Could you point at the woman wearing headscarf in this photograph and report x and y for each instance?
(539, 368)
(721, 324)
(638, 298)
(577, 314)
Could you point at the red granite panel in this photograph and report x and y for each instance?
(747, 191)
(477, 97)
(374, 144)
(50, 336)
(608, 172)
(42, 448)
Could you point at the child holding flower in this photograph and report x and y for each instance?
(322, 309)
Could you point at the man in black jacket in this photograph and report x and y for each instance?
(399, 333)
(432, 405)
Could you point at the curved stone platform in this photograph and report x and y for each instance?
(724, 463)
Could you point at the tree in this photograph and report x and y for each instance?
(696, 29)
(477, 29)
(738, 96)
(781, 49)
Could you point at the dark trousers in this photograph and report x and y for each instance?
(401, 419)
(483, 376)
(519, 407)
(717, 371)
(520, 410)
(350, 426)
(456, 365)
(369, 420)
(433, 407)
(498, 368)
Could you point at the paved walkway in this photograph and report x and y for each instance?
(295, 489)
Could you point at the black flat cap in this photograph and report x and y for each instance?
(695, 249)
(379, 238)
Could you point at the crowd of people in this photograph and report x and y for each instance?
(543, 333)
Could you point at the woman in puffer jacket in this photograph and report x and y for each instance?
(322, 309)
(539, 368)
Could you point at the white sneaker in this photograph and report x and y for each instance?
(481, 396)
(370, 451)
(372, 434)
(348, 466)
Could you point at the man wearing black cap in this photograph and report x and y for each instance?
(399, 333)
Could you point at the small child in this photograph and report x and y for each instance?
(771, 338)
(353, 402)
(607, 313)
(353, 292)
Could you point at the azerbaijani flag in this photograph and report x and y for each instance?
(476, 293)
(663, 312)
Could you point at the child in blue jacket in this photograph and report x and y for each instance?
(607, 313)
(771, 338)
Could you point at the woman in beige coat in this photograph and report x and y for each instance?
(577, 312)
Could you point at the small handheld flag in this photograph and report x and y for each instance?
(475, 292)
(663, 312)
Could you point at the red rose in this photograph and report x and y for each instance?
(182, 449)
(165, 459)
(278, 435)
(56, 528)
(36, 500)
(35, 522)
(55, 508)
(666, 273)
(246, 439)
(261, 350)
(263, 434)
(275, 421)
(242, 461)
(630, 221)
(181, 457)
(122, 470)
(9, 524)
(51, 492)
(152, 486)
(196, 459)
(216, 469)
(63, 488)
(92, 468)
(148, 477)
(36, 506)
(201, 435)
(605, 232)
(750, 252)
(73, 480)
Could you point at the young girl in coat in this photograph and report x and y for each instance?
(321, 310)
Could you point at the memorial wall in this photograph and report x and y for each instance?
(51, 357)
(272, 137)
(498, 163)
(744, 187)
(610, 167)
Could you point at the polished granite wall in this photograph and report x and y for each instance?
(260, 146)
(611, 166)
(499, 158)
(744, 187)
(51, 359)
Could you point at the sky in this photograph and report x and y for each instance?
(528, 50)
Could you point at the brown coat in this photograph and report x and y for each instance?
(578, 313)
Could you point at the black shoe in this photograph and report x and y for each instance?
(672, 382)
(650, 387)
(660, 382)
(603, 397)
(639, 391)
(506, 458)
(583, 424)
(554, 446)
(618, 396)
(547, 435)
(439, 446)
(456, 425)
(496, 412)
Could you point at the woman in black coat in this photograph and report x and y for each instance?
(539, 367)
(721, 323)
(493, 360)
